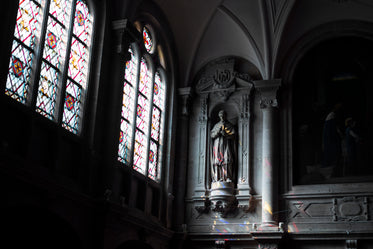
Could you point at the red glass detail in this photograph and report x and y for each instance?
(69, 102)
(17, 67)
(80, 18)
(151, 156)
(156, 88)
(51, 38)
(121, 136)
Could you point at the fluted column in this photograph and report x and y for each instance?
(270, 161)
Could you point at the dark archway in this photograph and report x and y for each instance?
(31, 227)
(334, 71)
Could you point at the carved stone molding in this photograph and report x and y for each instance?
(268, 90)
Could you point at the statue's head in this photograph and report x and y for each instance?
(222, 114)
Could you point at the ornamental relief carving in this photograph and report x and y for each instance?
(220, 79)
(350, 209)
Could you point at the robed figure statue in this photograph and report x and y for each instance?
(223, 149)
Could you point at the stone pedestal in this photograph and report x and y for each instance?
(222, 197)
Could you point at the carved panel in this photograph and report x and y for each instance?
(310, 209)
(350, 209)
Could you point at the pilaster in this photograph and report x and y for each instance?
(184, 98)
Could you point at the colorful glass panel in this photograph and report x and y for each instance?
(145, 81)
(159, 91)
(78, 64)
(28, 22)
(142, 113)
(55, 43)
(46, 99)
(71, 109)
(19, 72)
(128, 102)
(125, 138)
(83, 23)
(156, 117)
(27, 29)
(139, 157)
(148, 41)
(153, 160)
(131, 69)
(61, 10)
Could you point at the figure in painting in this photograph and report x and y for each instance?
(352, 139)
(223, 149)
(332, 137)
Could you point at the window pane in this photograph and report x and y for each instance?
(19, 72)
(145, 83)
(78, 66)
(61, 10)
(55, 44)
(72, 105)
(156, 117)
(28, 22)
(159, 91)
(148, 41)
(125, 139)
(131, 69)
(128, 108)
(46, 100)
(83, 23)
(27, 30)
(139, 158)
(153, 161)
(142, 114)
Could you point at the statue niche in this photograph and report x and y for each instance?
(223, 136)
(223, 160)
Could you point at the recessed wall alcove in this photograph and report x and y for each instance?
(334, 74)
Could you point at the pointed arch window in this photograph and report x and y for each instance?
(50, 54)
(143, 108)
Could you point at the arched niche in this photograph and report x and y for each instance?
(223, 84)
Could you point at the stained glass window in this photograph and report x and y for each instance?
(65, 44)
(148, 41)
(128, 109)
(143, 80)
(27, 30)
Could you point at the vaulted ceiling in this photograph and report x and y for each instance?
(260, 31)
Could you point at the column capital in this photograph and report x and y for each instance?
(186, 95)
(125, 33)
(268, 90)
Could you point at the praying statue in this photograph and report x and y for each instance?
(223, 149)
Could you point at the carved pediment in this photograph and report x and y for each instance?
(221, 79)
